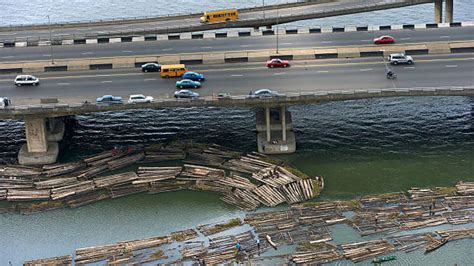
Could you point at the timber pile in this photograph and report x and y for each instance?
(62, 169)
(26, 172)
(3, 194)
(125, 161)
(411, 242)
(456, 234)
(465, 188)
(99, 253)
(236, 181)
(168, 185)
(38, 207)
(151, 242)
(12, 183)
(71, 190)
(315, 254)
(423, 193)
(210, 229)
(222, 249)
(87, 198)
(114, 180)
(368, 249)
(459, 216)
(164, 154)
(127, 189)
(55, 183)
(298, 191)
(242, 199)
(425, 223)
(193, 249)
(376, 220)
(196, 172)
(269, 196)
(184, 235)
(325, 213)
(61, 260)
(383, 199)
(460, 202)
(153, 174)
(275, 176)
(28, 194)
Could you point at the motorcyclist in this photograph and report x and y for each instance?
(390, 74)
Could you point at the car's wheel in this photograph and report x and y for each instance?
(180, 87)
(34, 84)
(195, 87)
(19, 85)
(395, 62)
(271, 66)
(285, 65)
(145, 70)
(410, 62)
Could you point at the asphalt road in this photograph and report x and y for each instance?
(239, 79)
(282, 12)
(233, 44)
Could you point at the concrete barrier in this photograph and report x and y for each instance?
(92, 41)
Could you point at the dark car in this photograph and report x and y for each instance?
(109, 99)
(278, 63)
(185, 94)
(384, 39)
(188, 84)
(151, 67)
(193, 76)
(265, 93)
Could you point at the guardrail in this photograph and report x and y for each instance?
(288, 99)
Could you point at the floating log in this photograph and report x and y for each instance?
(127, 189)
(242, 199)
(210, 229)
(269, 240)
(153, 174)
(87, 198)
(465, 188)
(28, 194)
(125, 161)
(368, 249)
(99, 253)
(73, 189)
(145, 243)
(55, 183)
(201, 172)
(10, 183)
(184, 235)
(62, 169)
(269, 196)
(61, 260)
(115, 180)
(8, 171)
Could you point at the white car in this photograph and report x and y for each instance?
(396, 59)
(140, 98)
(26, 80)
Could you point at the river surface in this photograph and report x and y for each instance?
(360, 147)
(35, 11)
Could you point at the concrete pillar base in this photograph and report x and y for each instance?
(275, 121)
(39, 158)
(56, 134)
(276, 145)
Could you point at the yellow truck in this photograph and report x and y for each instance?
(220, 16)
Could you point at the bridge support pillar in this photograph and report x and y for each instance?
(438, 11)
(38, 150)
(274, 131)
(449, 11)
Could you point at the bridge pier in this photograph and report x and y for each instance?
(449, 11)
(274, 131)
(42, 136)
(438, 11)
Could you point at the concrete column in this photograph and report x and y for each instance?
(36, 134)
(283, 123)
(267, 121)
(449, 11)
(438, 10)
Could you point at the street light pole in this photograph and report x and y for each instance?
(277, 31)
(263, 9)
(50, 39)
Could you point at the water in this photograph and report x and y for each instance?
(82, 10)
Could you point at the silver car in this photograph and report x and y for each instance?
(396, 59)
(26, 80)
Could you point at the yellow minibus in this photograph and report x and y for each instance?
(220, 16)
(168, 71)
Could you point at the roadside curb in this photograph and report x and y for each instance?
(237, 57)
(97, 39)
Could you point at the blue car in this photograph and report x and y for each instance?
(185, 94)
(109, 99)
(193, 76)
(187, 84)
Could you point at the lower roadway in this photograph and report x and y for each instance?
(239, 79)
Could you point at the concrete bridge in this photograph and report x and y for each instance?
(44, 126)
(253, 17)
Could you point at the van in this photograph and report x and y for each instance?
(26, 80)
(220, 16)
(168, 71)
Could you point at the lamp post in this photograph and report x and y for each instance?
(50, 38)
(263, 9)
(278, 15)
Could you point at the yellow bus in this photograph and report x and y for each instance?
(168, 71)
(220, 16)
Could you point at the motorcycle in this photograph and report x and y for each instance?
(391, 75)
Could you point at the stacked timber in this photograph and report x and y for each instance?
(315, 254)
(465, 188)
(153, 174)
(456, 234)
(428, 193)
(125, 161)
(368, 249)
(10, 183)
(3, 194)
(55, 183)
(28, 194)
(61, 260)
(210, 229)
(164, 154)
(87, 198)
(196, 172)
(411, 242)
(222, 249)
(425, 223)
(242, 199)
(383, 199)
(92, 171)
(275, 176)
(99, 253)
(236, 181)
(114, 180)
(103, 157)
(322, 214)
(457, 217)
(193, 249)
(184, 235)
(133, 245)
(168, 186)
(127, 189)
(62, 169)
(71, 190)
(8, 171)
(37, 207)
(460, 202)
(269, 196)
(298, 191)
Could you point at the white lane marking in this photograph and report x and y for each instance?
(366, 40)
(409, 67)
(46, 55)
(323, 71)
(206, 47)
(451, 65)
(148, 79)
(106, 81)
(166, 49)
(279, 73)
(87, 53)
(287, 43)
(63, 84)
(326, 42)
(127, 51)
(236, 75)
(444, 37)
(405, 38)
(246, 45)
(9, 56)
(366, 69)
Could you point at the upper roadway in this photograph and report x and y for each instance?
(239, 79)
(232, 44)
(246, 19)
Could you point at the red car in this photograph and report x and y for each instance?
(278, 63)
(384, 39)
